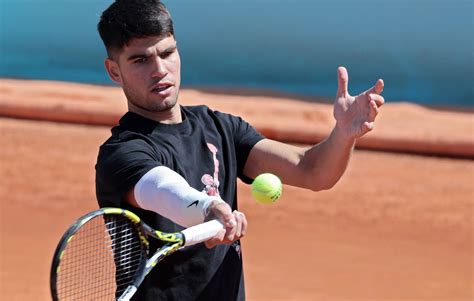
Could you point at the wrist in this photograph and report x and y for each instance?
(210, 204)
(342, 137)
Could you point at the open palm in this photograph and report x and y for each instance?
(355, 115)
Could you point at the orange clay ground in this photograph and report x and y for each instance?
(396, 227)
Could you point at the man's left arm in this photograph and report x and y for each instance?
(320, 167)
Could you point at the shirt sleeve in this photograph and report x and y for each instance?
(245, 138)
(119, 167)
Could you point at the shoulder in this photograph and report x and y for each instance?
(132, 132)
(125, 146)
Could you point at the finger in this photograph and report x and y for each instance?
(227, 217)
(377, 88)
(222, 211)
(231, 229)
(231, 222)
(244, 225)
(239, 217)
(367, 127)
(342, 82)
(379, 85)
(230, 233)
(374, 111)
(379, 100)
(211, 243)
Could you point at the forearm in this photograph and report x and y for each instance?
(316, 168)
(325, 163)
(165, 192)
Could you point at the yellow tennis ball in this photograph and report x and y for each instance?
(266, 188)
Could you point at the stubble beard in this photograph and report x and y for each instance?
(151, 106)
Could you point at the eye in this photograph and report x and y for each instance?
(165, 54)
(140, 60)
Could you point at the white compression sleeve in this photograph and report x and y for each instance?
(167, 193)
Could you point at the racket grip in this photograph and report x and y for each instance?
(202, 232)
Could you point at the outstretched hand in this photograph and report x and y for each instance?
(355, 115)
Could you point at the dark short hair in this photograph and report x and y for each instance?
(125, 20)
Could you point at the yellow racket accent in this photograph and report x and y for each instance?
(171, 237)
(131, 216)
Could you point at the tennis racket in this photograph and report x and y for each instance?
(104, 254)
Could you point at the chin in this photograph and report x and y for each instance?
(167, 105)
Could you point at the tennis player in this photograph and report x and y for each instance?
(177, 166)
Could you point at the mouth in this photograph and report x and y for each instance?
(161, 88)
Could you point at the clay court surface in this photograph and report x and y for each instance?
(396, 227)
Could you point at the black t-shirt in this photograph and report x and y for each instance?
(209, 149)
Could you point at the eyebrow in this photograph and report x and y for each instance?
(142, 55)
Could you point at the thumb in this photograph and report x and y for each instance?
(342, 81)
(218, 238)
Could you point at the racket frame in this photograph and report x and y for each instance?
(173, 241)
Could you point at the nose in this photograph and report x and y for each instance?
(159, 68)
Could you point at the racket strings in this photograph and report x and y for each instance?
(100, 260)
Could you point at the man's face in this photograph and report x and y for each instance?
(149, 71)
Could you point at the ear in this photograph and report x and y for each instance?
(113, 70)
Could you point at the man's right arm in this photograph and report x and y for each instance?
(167, 193)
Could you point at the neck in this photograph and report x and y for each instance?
(171, 116)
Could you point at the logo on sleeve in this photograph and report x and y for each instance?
(195, 203)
